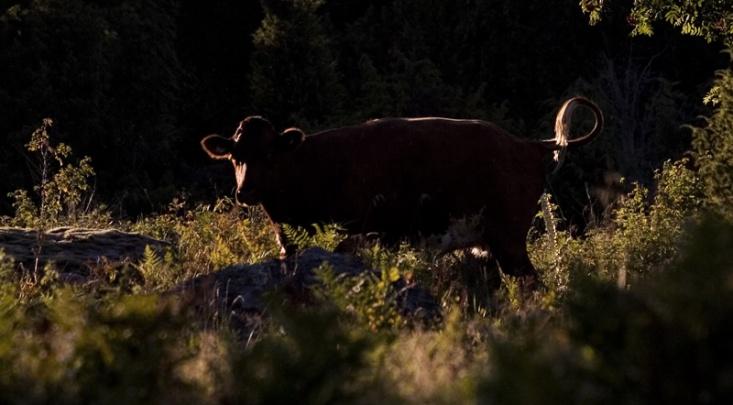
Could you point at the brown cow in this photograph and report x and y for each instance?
(401, 176)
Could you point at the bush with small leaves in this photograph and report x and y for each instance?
(62, 186)
(641, 239)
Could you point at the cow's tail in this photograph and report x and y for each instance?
(562, 128)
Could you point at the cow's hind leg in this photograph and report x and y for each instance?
(511, 253)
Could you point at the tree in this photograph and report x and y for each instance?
(711, 19)
(713, 148)
(712, 144)
(294, 78)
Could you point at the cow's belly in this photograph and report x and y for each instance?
(406, 203)
(400, 213)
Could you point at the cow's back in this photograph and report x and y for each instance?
(407, 175)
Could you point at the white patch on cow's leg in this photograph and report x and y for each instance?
(283, 253)
(480, 253)
(281, 242)
(462, 233)
(240, 170)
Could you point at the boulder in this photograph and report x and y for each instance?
(74, 249)
(242, 288)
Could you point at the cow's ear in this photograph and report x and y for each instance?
(290, 139)
(217, 146)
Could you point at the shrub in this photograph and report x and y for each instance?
(664, 340)
(61, 189)
(641, 238)
(370, 298)
(207, 238)
(68, 349)
(713, 148)
(310, 357)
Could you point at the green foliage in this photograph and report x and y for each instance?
(371, 298)
(410, 87)
(713, 148)
(432, 366)
(324, 236)
(313, 359)
(207, 238)
(405, 261)
(293, 72)
(160, 272)
(8, 284)
(126, 350)
(25, 209)
(712, 19)
(664, 340)
(640, 241)
(62, 185)
(648, 236)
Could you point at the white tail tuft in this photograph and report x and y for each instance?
(562, 128)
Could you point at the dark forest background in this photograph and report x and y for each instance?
(135, 84)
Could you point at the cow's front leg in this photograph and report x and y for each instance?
(286, 247)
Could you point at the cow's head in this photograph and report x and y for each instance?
(253, 150)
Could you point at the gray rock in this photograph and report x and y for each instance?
(74, 249)
(242, 288)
